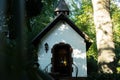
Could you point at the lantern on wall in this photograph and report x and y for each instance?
(46, 47)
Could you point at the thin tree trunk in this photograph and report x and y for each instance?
(104, 36)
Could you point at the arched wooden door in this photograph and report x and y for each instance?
(62, 60)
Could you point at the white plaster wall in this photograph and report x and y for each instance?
(62, 32)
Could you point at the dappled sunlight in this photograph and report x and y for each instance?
(104, 35)
(84, 67)
(78, 54)
(63, 41)
(108, 55)
(63, 27)
(106, 68)
(56, 34)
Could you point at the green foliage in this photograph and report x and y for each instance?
(84, 20)
(115, 14)
(41, 21)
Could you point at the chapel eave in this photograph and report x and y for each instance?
(60, 17)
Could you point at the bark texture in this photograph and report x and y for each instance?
(104, 36)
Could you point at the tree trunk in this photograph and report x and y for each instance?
(104, 36)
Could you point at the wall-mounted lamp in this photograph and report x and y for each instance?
(46, 47)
